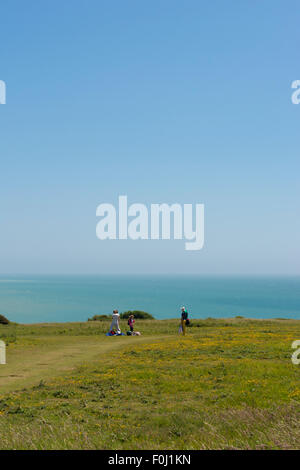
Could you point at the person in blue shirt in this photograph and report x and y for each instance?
(184, 319)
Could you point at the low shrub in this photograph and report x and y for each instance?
(139, 314)
(100, 318)
(4, 320)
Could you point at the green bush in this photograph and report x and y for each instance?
(139, 314)
(3, 320)
(99, 318)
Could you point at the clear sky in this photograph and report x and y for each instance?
(163, 101)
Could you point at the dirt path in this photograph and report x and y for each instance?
(53, 356)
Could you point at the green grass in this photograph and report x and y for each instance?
(229, 384)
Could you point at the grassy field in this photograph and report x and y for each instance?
(229, 384)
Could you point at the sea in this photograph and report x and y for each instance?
(36, 299)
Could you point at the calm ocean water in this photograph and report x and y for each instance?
(30, 299)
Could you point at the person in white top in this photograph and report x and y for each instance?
(115, 322)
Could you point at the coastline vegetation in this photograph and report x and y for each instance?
(4, 320)
(138, 314)
(228, 384)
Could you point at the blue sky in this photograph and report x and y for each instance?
(164, 101)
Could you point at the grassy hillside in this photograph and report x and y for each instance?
(227, 384)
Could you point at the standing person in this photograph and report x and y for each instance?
(184, 319)
(131, 321)
(115, 322)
